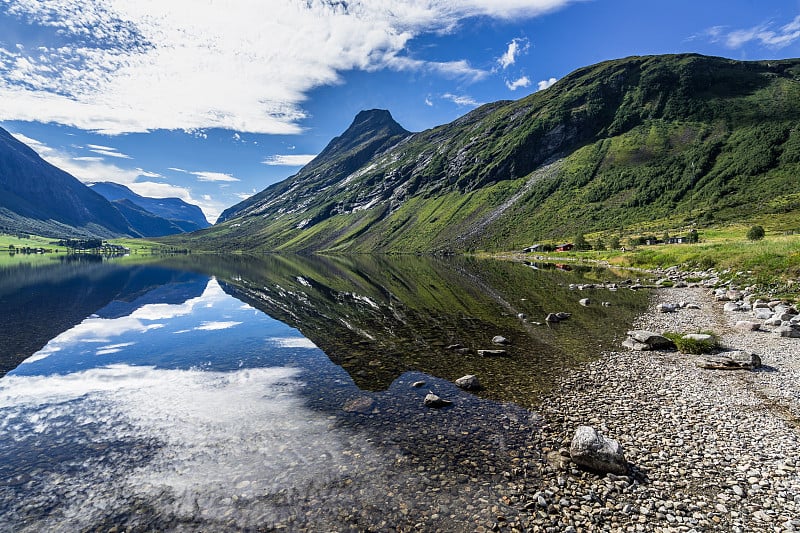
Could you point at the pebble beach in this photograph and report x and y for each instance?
(709, 450)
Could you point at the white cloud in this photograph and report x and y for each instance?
(107, 151)
(205, 175)
(148, 174)
(217, 325)
(451, 69)
(88, 169)
(546, 84)
(245, 195)
(125, 66)
(461, 100)
(764, 34)
(298, 160)
(428, 101)
(113, 348)
(515, 48)
(292, 342)
(524, 81)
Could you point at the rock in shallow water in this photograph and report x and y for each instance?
(362, 404)
(596, 452)
(432, 400)
(492, 353)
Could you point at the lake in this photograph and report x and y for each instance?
(277, 392)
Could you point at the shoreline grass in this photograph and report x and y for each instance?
(772, 263)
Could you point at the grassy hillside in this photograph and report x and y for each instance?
(684, 138)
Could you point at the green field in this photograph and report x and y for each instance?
(772, 263)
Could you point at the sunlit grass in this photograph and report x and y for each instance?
(29, 241)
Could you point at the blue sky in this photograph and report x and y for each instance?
(213, 101)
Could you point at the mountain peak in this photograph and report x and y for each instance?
(372, 132)
(367, 127)
(372, 118)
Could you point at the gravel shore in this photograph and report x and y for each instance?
(710, 450)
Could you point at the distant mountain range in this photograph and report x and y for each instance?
(179, 215)
(674, 140)
(37, 197)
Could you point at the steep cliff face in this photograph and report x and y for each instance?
(37, 197)
(683, 137)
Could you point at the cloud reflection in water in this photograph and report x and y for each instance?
(207, 431)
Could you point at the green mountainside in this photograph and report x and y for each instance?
(685, 138)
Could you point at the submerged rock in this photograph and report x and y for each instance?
(596, 452)
(492, 353)
(362, 404)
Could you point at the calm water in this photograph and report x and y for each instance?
(207, 393)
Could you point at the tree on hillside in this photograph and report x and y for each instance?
(580, 242)
(614, 243)
(599, 244)
(756, 233)
(693, 237)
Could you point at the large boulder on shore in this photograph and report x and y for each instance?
(792, 331)
(643, 340)
(591, 450)
(735, 360)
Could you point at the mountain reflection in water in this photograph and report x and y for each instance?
(379, 316)
(177, 404)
